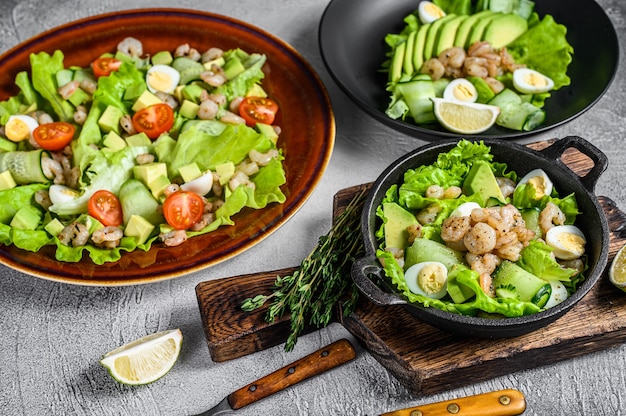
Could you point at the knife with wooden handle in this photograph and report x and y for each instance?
(324, 359)
(509, 402)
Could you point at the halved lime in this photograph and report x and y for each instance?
(617, 272)
(146, 359)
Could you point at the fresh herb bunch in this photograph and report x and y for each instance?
(311, 293)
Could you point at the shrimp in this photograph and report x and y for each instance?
(126, 123)
(173, 238)
(42, 117)
(205, 220)
(75, 234)
(248, 167)
(68, 89)
(486, 263)
(550, 216)
(428, 214)
(510, 251)
(455, 228)
(239, 178)
(262, 159)
(131, 46)
(476, 67)
(414, 231)
(481, 239)
(42, 197)
(452, 57)
(107, 237)
(52, 169)
(217, 188)
(434, 68)
(434, 191)
(213, 78)
(168, 99)
(144, 158)
(80, 115)
(506, 185)
(452, 192)
(231, 118)
(170, 189)
(479, 48)
(398, 254)
(577, 264)
(187, 51)
(212, 54)
(234, 104)
(495, 85)
(208, 110)
(486, 284)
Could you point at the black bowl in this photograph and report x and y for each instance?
(351, 35)
(367, 271)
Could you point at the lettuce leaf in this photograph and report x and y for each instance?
(44, 68)
(544, 47)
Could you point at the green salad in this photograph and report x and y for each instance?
(135, 149)
(469, 236)
(495, 53)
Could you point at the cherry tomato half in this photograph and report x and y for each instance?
(258, 110)
(182, 209)
(105, 207)
(103, 67)
(154, 120)
(54, 136)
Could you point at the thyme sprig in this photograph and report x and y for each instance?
(311, 293)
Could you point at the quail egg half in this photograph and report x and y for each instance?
(429, 278)
(568, 241)
(465, 209)
(20, 127)
(529, 81)
(460, 89)
(539, 179)
(558, 294)
(162, 78)
(428, 12)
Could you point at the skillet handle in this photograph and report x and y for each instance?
(361, 269)
(600, 161)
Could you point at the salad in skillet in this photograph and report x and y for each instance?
(135, 150)
(468, 236)
(468, 66)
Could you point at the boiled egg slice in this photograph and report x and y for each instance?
(462, 90)
(202, 185)
(465, 209)
(568, 241)
(539, 179)
(60, 194)
(558, 294)
(428, 12)
(429, 278)
(162, 78)
(529, 81)
(20, 127)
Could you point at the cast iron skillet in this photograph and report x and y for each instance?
(351, 38)
(367, 272)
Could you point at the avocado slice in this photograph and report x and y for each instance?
(465, 27)
(447, 34)
(398, 219)
(431, 36)
(418, 47)
(481, 180)
(477, 32)
(504, 29)
(407, 62)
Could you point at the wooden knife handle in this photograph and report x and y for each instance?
(508, 402)
(313, 364)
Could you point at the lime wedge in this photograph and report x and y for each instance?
(617, 272)
(144, 360)
(465, 117)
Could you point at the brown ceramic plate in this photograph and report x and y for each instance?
(290, 80)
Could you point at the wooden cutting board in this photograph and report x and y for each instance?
(424, 359)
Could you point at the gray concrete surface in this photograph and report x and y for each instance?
(52, 335)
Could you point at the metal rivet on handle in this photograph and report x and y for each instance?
(505, 400)
(453, 408)
(416, 413)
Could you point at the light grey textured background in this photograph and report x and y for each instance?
(52, 335)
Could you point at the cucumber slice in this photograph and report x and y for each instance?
(25, 166)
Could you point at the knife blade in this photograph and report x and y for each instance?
(331, 356)
(508, 402)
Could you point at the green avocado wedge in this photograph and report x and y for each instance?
(431, 36)
(447, 34)
(464, 29)
(504, 29)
